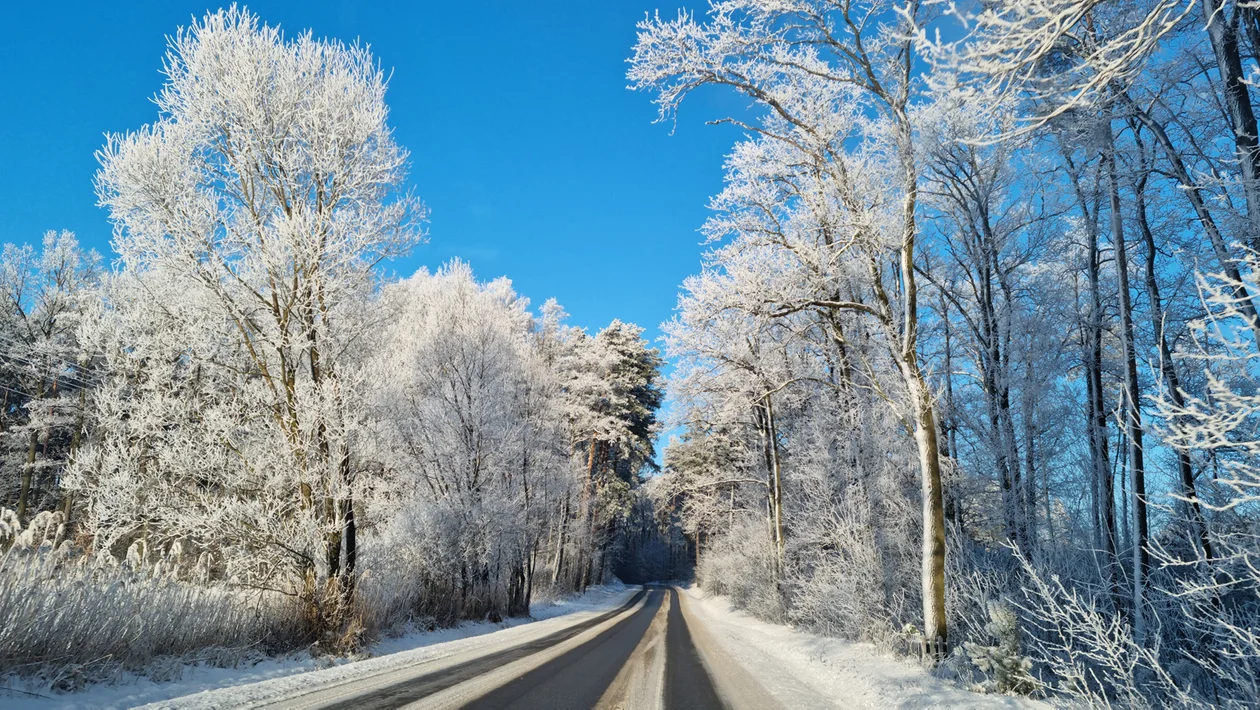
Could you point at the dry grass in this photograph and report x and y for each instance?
(71, 619)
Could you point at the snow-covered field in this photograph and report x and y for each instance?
(411, 647)
(800, 670)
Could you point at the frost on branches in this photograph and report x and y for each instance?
(247, 419)
(44, 371)
(248, 218)
(973, 349)
(823, 201)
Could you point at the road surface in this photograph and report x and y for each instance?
(648, 653)
(646, 649)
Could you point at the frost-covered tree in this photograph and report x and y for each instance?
(829, 183)
(1221, 598)
(249, 219)
(468, 429)
(45, 373)
(990, 217)
(791, 476)
(1065, 178)
(611, 391)
(264, 432)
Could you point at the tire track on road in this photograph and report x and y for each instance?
(413, 689)
(577, 679)
(687, 682)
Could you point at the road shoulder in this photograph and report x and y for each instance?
(759, 664)
(403, 656)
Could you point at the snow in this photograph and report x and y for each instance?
(595, 599)
(802, 670)
(131, 690)
(759, 662)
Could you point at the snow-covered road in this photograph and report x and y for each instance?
(657, 647)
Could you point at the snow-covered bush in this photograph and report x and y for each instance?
(854, 554)
(1088, 650)
(442, 564)
(1004, 661)
(740, 564)
(1213, 578)
(844, 571)
(46, 529)
(10, 527)
(977, 577)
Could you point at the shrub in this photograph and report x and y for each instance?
(1008, 669)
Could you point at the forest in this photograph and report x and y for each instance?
(244, 434)
(970, 366)
(969, 370)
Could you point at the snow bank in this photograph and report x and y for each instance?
(600, 597)
(801, 670)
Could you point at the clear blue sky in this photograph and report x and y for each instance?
(535, 160)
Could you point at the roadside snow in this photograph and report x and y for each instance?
(415, 646)
(801, 670)
(595, 598)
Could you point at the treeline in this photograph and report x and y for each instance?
(251, 431)
(971, 362)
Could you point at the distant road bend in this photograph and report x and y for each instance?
(643, 654)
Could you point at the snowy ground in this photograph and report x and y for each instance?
(753, 664)
(794, 669)
(131, 691)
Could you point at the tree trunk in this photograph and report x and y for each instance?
(935, 628)
(1101, 483)
(1194, 193)
(1132, 397)
(587, 557)
(350, 544)
(990, 367)
(560, 542)
(1029, 411)
(1098, 418)
(948, 426)
(935, 623)
(1167, 368)
(777, 492)
(764, 416)
(28, 472)
(1023, 503)
(530, 567)
(602, 551)
(1222, 29)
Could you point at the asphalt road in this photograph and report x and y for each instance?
(646, 659)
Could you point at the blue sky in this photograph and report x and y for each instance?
(535, 160)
